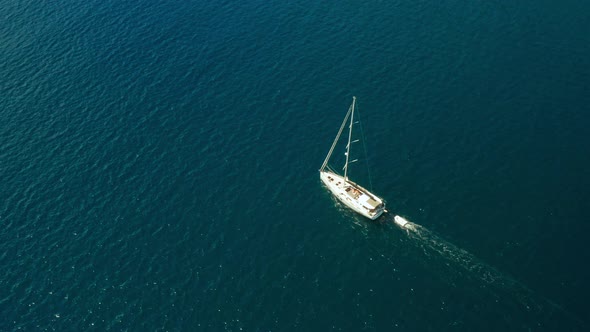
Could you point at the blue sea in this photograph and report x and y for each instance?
(159, 165)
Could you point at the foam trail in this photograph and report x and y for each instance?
(461, 259)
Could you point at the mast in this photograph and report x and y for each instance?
(349, 137)
(336, 140)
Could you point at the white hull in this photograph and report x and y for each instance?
(401, 221)
(354, 196)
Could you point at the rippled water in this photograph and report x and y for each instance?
(159, 165)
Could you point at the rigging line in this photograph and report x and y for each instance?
(349, 137)
(336, 139)
(365, 148)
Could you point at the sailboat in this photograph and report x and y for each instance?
(348, 192)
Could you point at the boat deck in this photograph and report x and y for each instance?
(363, 199)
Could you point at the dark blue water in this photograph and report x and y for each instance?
(159, 165)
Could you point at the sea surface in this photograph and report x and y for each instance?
(159, 165)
